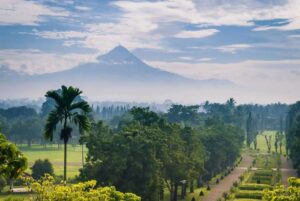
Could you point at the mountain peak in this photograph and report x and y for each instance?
(119, 55)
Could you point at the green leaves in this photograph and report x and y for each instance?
(280, 193)
(12, 162)
(68, 109)
(45, 189)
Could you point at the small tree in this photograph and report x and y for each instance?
(13, 163)
(40, 168)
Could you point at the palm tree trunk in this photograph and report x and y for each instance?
(65, 163)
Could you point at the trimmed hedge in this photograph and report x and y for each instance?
(249, 194)
(254, 187)
(264, 173)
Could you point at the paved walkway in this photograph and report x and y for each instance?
(287, 170)
(225, 184)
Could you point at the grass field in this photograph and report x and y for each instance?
(56, 157)
(261, 142)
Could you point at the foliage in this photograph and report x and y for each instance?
(45, 189)
(40, 168)
(27, 129)
(249, 194)
(293, 133)
(280, 193)
(146, 153)
(183, 114)
(249, 186)
(13, 163)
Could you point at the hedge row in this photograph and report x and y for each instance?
(249, 194)
(255, 187)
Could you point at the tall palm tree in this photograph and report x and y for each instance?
(68, 109)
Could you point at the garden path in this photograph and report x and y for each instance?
(225, 184)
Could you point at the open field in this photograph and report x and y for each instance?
(261, 142)
(56, 156)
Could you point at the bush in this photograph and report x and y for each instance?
(264, 173)
(257, 187)
(292, 193)
(201, 193)
(45, 189)
(3, 183)
(208, 188)
(40, 168)
(235, 184)
(217, 181)
(249, 194)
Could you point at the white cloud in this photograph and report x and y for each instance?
(82, 8)
(197, 34)
(26, 12)
(213, 12)
(233, 48)
(191, 59)
(59, 34)
(33, 61)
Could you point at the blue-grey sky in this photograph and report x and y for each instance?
(253, 43)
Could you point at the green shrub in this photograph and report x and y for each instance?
(258, 187)
(249, 194)
(225, 195)
(201, 193)
(264, 172)
(40, 168)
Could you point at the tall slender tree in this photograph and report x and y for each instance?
(67, 110)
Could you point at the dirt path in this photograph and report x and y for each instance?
(287, 170)
(225, 184)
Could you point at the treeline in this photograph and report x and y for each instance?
(147, 153)
(293, 134)
(24, 124)
(21, 124)
(109, 112)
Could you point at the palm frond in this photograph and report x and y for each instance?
(83, 122)
(55, 96)
(82, 105)
(69, 94)
(53, 119)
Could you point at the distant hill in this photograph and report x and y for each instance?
(117, 74)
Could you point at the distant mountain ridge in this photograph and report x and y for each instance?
(119, 72)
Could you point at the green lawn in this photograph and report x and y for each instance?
(261, 142)
(56, 157)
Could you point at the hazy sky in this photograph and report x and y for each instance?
(253, 43)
